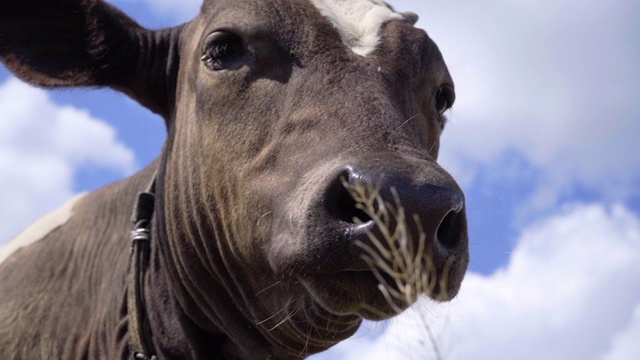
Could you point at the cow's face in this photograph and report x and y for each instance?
(274, 113)
(284, 118)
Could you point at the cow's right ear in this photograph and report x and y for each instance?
(62, 43)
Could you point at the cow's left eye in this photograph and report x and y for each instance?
(222, 49)
(444, 98)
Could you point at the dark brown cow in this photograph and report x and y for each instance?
(273, 109)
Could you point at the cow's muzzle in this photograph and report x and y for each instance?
(378, 233)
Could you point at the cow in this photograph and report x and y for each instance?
(248, 238)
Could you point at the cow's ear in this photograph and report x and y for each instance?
(89, 43)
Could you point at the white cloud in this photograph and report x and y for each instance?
(555, 81)
(625, 344)
(42, 147)
(570, 291)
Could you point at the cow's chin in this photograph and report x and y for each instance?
(353, 293)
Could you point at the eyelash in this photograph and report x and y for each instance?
(220, 49)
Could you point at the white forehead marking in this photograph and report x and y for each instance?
(358, 21)
(39, 229)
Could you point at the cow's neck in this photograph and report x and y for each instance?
(179, 331)
(174, 326)
(222, 326)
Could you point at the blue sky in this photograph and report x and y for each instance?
(543, 138)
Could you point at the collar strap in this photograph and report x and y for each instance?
(138, 264)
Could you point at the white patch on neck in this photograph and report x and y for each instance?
(358, 21)
(39, 229)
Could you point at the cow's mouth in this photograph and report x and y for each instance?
(352, 292)
(378, 295)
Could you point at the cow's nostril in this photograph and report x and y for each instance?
(343, 207)
(448, 234)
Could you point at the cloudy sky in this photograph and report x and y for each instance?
(544, 138)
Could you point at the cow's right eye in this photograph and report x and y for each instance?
(222, 49)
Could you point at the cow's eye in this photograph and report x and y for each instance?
(222, 49)
(444, 98)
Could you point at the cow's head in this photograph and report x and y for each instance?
(278, 113)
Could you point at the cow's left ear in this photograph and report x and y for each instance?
(56, 43)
